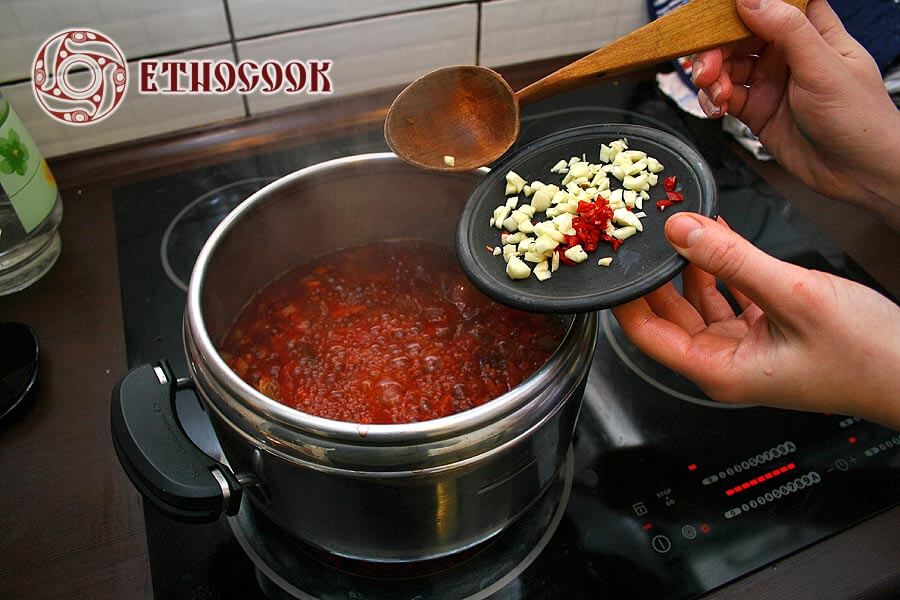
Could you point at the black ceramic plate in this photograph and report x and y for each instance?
(643, 262)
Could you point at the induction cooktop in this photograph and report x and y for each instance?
(665, 494)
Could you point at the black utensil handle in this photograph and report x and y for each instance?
(159, 457)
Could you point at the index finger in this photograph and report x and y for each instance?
(660, 339)
(712, 60)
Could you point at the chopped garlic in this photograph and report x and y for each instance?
(497, 251)
(624, 233)
(450, 161)
(560, 167)
(500, 214)
(513, 178)
(576, 254)
(541, 199)
(517, 269)
(623, 216)
(526, 239)
(545, 244)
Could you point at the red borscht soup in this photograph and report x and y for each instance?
(390, 332)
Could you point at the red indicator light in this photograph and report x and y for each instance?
(704, 528)
(694, 467)
(760, 479)
(852, 439)
(647, 526)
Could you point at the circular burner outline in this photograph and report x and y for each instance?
(623, 356)
(292, 590)
(163, 256)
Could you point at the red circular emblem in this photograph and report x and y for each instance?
(79, 76)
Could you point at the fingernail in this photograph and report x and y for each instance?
(715, 89)
(753, 4)
(696, 70)
(684, 231)
(712, 110)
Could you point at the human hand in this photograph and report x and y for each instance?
(815, 99)
(805, 339)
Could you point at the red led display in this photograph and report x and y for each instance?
(757, 480)
(692, 467)
(705, 528)
(852, 439)
(647, 526)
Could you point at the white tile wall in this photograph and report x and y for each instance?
(139, 27)
(515, 31)
(368, 51)
(258, 17)
(137, 116)
(373, 53)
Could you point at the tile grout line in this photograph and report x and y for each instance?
(234, 50)
(478, 36)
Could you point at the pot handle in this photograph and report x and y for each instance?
(159, 457)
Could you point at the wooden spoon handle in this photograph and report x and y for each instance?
(698, 25)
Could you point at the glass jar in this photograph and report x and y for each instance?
(30, 207)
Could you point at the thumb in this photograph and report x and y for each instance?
(718, 250)
(789, 29)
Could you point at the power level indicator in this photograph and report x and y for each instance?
(757, 480)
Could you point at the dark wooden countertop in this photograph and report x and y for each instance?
(71, 524)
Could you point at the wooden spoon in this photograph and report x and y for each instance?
(471, 113)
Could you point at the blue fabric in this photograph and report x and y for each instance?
(874, 23)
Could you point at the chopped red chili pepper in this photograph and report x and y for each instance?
(672, 196)
(662, 204)
(590, 227)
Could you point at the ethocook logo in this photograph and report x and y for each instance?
(80, 76)
(62, 87)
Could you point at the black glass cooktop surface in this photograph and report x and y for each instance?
(667, 494)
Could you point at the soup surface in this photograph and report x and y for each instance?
(390, 332)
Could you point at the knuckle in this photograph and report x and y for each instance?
(792, 18)
(725, 258)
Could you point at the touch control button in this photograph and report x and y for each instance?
(689, 532)
(661, 544)
(841, 464)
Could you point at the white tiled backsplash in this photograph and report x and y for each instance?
(372, 44)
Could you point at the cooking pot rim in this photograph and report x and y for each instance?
(251, 398)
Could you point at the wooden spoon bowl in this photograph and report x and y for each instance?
(481, 118)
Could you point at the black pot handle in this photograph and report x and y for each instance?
(159, 457)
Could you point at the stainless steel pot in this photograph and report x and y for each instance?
(374, 492)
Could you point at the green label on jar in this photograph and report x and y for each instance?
(24, 174)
